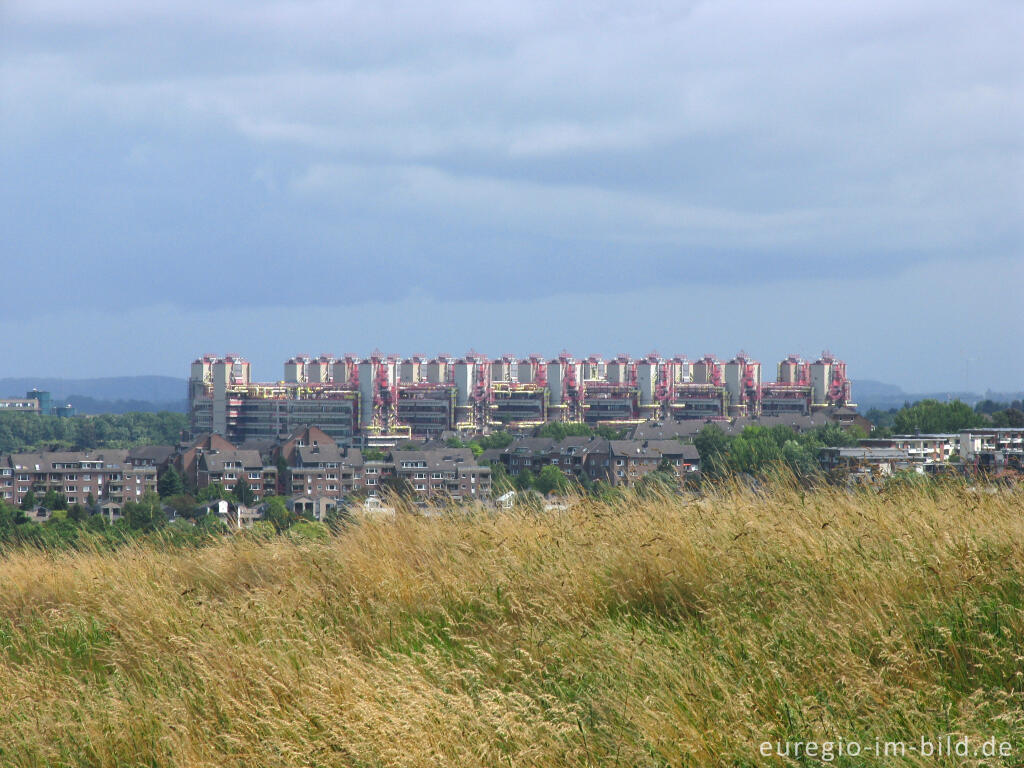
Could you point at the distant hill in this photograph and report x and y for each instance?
(115, 394)
(93, 405)
(868, 388)
(870, 394)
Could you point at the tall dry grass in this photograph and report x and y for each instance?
(657, 632)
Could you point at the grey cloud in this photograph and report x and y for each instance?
(425, 144)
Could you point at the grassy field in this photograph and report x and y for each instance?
(655, 633)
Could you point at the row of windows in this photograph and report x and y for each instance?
(25, 477)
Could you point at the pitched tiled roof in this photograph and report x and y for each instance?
(155, 453)
(442, 458)
(44, 461)
(215, 462)
(531, 445)
(653, 449)
(656, 430)
(311, 455)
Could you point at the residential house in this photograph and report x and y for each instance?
(450, 472)
(187, 459)
(105, 476)
(630, 460)
(228, 467)
(317, 470)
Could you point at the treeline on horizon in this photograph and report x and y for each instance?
(936, 417)
(23, 432)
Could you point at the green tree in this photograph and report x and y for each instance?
(28, 501)
(989, 407)
(881, 419)
(278, 514)
(713, 446)
(170, 483)
(524, 480)
(559, 430)
(210, 524)
(282, 473)
(22, 431)
(753, 451)
(214, 491)
(182, 504)
(53, 500)
(931, 416)
(834, 436)
(144, 515)
(243, 492)
(801, 459)
(495, 440)
(1011, 417)
(8, 518)
(551, 479)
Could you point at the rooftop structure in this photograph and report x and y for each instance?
(830, 386)
(35, 401)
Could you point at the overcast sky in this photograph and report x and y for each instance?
(267, 178)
